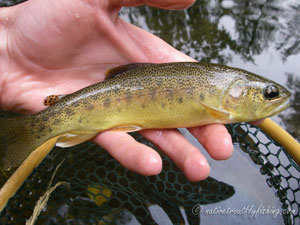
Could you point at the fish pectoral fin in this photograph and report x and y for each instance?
(130, 128)
(73, 138)
(217, 113)
(116, 71)
(52, 99)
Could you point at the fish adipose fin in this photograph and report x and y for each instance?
(217, 113)
(52, 99)
(74, 138)
(116, 71)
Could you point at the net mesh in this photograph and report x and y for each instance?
(85, 185)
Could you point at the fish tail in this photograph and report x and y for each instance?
(15, 139)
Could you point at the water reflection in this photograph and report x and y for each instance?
(289, 39)
(197, 31)
(255, 24)
(291, 119)
(194, 31)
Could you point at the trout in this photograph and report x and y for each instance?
(143, 96)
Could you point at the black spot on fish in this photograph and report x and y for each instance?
(56, 121)
(51, 113)
(115, 90)
(202, 96)
(50, 130)
(180, 100)
(94, 97)
(190, 91)
(75, 104)
(69, 112)
(159, 82)
(143, 106)
(170, 93)
(41, 128)
(32, 123)
(107, 102)
(212, 91)
(89, 107)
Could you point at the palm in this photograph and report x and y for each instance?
(71, 47)
(58, 47)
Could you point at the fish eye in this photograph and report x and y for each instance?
(271, 92)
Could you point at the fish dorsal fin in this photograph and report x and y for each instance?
(52, 99)
(217, 113)
(116, 71)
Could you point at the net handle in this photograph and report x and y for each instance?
(281, 136)
(24, 170)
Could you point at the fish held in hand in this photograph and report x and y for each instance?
(143, 96)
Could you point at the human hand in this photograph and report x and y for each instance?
(58, 47)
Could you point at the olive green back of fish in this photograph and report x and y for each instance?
(166, 96)
(150, 96)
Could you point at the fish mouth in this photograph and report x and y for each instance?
(275, 108)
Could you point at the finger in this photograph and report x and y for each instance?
(186, 156)
(166, 4)
(215, 139)
(130, 153)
